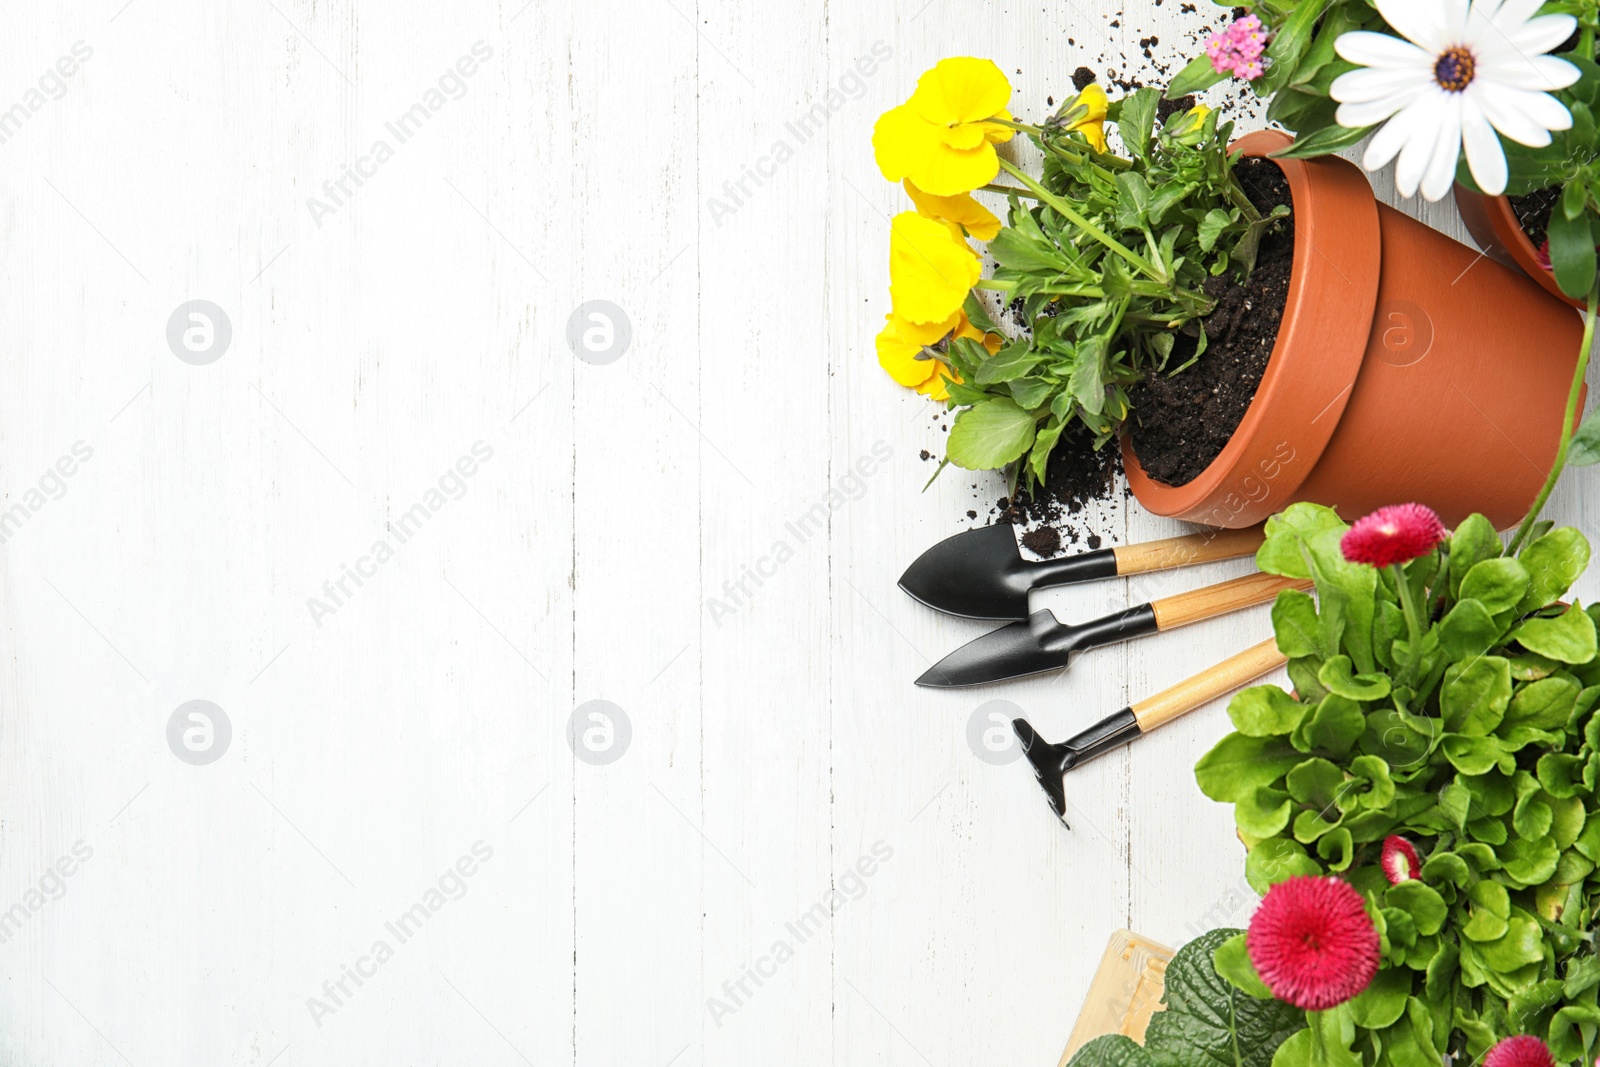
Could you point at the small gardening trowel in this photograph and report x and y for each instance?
(1051, 762)
(981, 574)
(1043, 643)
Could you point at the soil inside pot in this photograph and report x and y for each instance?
(1181, 422)
(1533, 213)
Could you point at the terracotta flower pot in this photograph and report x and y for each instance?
(1494, 226)
(1398, 374)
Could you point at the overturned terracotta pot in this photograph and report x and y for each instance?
(1493, 224)
(1398, 374)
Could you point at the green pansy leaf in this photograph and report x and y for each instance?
(1216, 220)
(1199, 75)
(1239, 765)
(1569, 637)
(1498, 584)
(1337, 676)
(1474, 695)
(1585, 448)
(990, 435)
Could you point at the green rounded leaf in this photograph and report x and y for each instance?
(1569, 637)
(1239, 765)
(1469, 630)
(1274, 860)
(1266, 711)
(1554, 562)
(989, 435)
(1475, 694)
(1421, 901)
(1294, 621)
(1498, 584)
(1337, 676)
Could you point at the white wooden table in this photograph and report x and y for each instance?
(385, 732)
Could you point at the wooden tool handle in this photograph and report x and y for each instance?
(1192, 548)
(1185, 608)
(1207, 686)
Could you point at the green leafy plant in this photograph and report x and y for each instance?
(1300, 66)
(1450, 701)
(1207, 1021)
(1109, 257)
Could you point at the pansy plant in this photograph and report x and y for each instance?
(1104, 257)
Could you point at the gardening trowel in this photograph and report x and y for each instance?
(1043, 643)
(1051, 762)
(980, 574)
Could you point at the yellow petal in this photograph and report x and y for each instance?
(937, 387)
(961, 209)
(930, 271)
(901, 142)
(961, 89)
(963, 138)
(991, 341)
(1095, 134)
(947, 171)
(998, 134)
(900, 344)
(1094, 98)
(1197, 118)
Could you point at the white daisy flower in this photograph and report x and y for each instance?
(1465, 69)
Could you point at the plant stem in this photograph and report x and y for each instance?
(1068, 212)
(1413, 614)
(1020, 127)
(997, 285)
(1008, 190)
(1567, 420)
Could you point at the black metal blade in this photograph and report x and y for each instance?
(1041, 644)
(980, 574)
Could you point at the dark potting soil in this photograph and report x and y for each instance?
(1181, 422)
(1533, 213)
(1078, 475)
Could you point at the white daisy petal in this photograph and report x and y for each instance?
(1382, 51)
(1484, 154)
(1441, 172)
(1369, 86)
(1512, 15)
(1374, 111)
(1541, 34)
(1456, 14)
(1504, 108)
(1387, 142)
(1538, 73)
(1420, 21)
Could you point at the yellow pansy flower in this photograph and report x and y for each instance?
(931, 269)
(942, 138)
(1093, 124)
(960, 209)
(901, 342)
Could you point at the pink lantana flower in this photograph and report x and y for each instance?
(1313, 943)
(1237, 50)
(1391, 535)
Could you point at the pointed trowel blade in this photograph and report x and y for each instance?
(1014, 651)
(978, 574)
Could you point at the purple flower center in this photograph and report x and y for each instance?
(1455, 70)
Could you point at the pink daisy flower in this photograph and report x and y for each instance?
(1396, 534)
(1521, 1051)
(1399, 861)
(1313, 943)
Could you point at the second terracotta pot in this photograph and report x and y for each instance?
(1493, 224)
(1398, 374)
